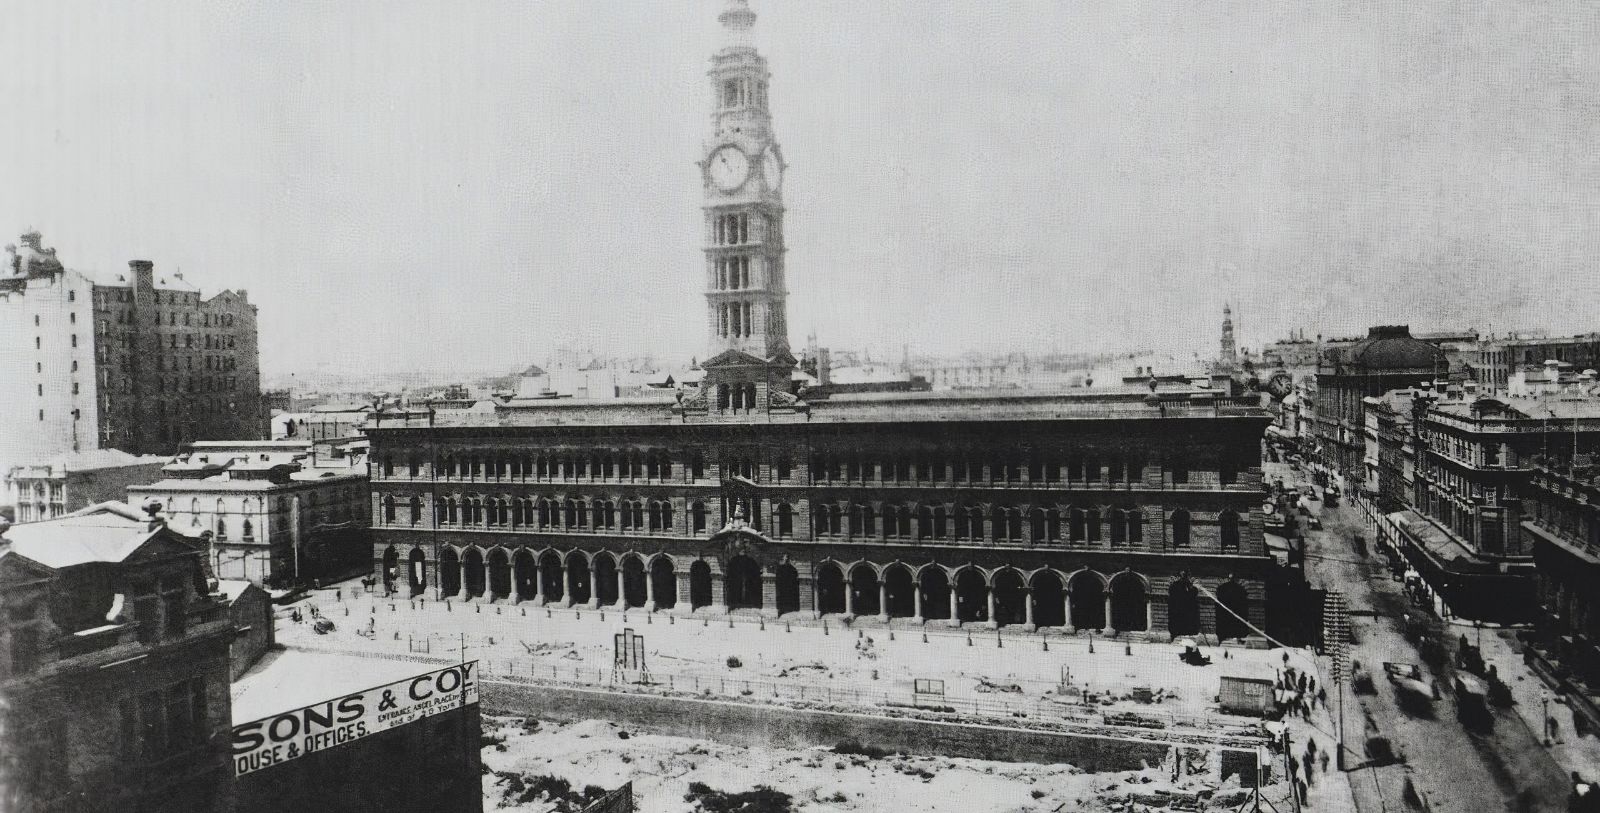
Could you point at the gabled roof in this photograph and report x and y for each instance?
(105, 532)
(533, 371)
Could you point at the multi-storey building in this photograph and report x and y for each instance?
(1561, 509)
(113, 668)
(1475, 462)
(1388, 359)
(140, 362)
(1112, 510)
(275, 512)
(1497, 359)
(75, 480)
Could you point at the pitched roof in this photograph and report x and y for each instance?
(105, 532)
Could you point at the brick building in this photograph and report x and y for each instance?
(1107, 510)
(113, 668)
(139, 361)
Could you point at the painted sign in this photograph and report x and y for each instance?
(281, 737)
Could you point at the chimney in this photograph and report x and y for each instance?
(823, 361)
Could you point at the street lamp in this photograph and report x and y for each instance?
(1544, 719)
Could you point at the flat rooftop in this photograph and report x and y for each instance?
(289, 679)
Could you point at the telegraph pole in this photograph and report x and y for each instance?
(1335, 637)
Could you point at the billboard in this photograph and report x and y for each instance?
(291, 734)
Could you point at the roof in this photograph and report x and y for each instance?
(233, 588)
(104, 532)
(1389, 348)
(533, 371)
(92, 460)
(294, 678)
(865, 407)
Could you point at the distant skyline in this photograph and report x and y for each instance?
(418, 185)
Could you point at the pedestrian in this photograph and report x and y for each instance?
(1324, 760)
(1322, 697)
(1300, 788)
(1312, 681)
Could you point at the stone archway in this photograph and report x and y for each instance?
(787, 588)
(664, 583)
(900, 591)
(472, 572)
(1049, 600)
(579, 589)
(1232, 596)
(830, 588)
(864, 590)
(449, 572)
(499, 574)
(935, 587)
(972, 596)
(699, 585)
(552, 577)
(1009, 597)
(1129, 604)
(391, 568)
(417, 571)
(1088, 601)
(605, 579)
(741, 583)
(1183, 608)
(635, 592)
(525, 575)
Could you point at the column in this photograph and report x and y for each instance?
(955, 612)
(461, 579)
(849, 598)
(1149, 614)
(916, 601)
(769, 595)
(1066, 608)
(1027, 609)
(808, 596)
(622, 596)
(1108, 610)
(993, 622)
(594, 587)
(538, 585)
(719, 594)
(683, 607)
(649, 591)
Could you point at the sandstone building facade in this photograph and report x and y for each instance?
(1116, 510)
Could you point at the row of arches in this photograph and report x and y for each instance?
(1082, 600)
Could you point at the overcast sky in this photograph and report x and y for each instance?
(425, 184)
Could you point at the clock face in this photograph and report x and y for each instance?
(772, 168)
(728, 167)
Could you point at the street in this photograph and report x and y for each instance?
(1452, 769)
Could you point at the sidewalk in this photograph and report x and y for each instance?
(1571, 752)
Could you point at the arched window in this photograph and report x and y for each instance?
(1037, 527)
(222, 528)
(1135, 526)
(862, 521)
(388, 509)
(785, 519)
(1119, 527)
(249, 531)
(1180, 528)
(1091, 519)
(1075, 525)
(697, 516)
(1228, 530)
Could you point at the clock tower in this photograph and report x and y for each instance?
(749, 374)
(742, 173)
